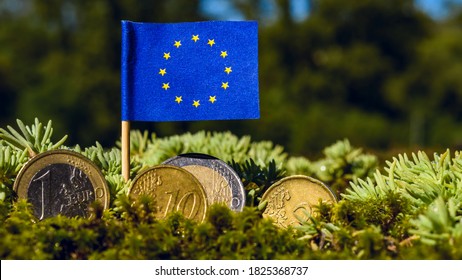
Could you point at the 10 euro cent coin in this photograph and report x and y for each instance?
(173, 189)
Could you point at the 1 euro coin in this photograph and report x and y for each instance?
(61, 182)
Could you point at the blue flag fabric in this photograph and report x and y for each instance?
(189, 71)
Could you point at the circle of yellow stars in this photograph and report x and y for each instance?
(167, 56)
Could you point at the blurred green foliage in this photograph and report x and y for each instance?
(382, 74)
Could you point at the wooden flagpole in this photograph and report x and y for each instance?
(126, 150)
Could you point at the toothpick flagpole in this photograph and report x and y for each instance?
(126, 150)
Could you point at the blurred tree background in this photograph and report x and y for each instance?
(383, 74)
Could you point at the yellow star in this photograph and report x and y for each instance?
(165, 86)
(164, 71)
(195, 38)
(166, 56)
(228, 70)
(211, 42)
(196, 103)
(224, 85)
(212, 99)
(178, 99)
(177, 44)
(224, 54)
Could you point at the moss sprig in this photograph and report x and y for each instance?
(35, 138)
(256, 178)
(342, 163)
(223, 145)
(431, 189)
(11, 161)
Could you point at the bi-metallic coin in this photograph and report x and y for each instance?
(293, 197)
(220, 181)
(61, 182)
(173, 189)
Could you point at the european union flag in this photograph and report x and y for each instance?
(190, 71)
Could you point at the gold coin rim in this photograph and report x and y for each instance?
(96, 180)
(312, 180)
(181, 170)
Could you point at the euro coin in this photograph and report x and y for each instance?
(292, 199)
(61, 182)
(173, 189)
(220, 181)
